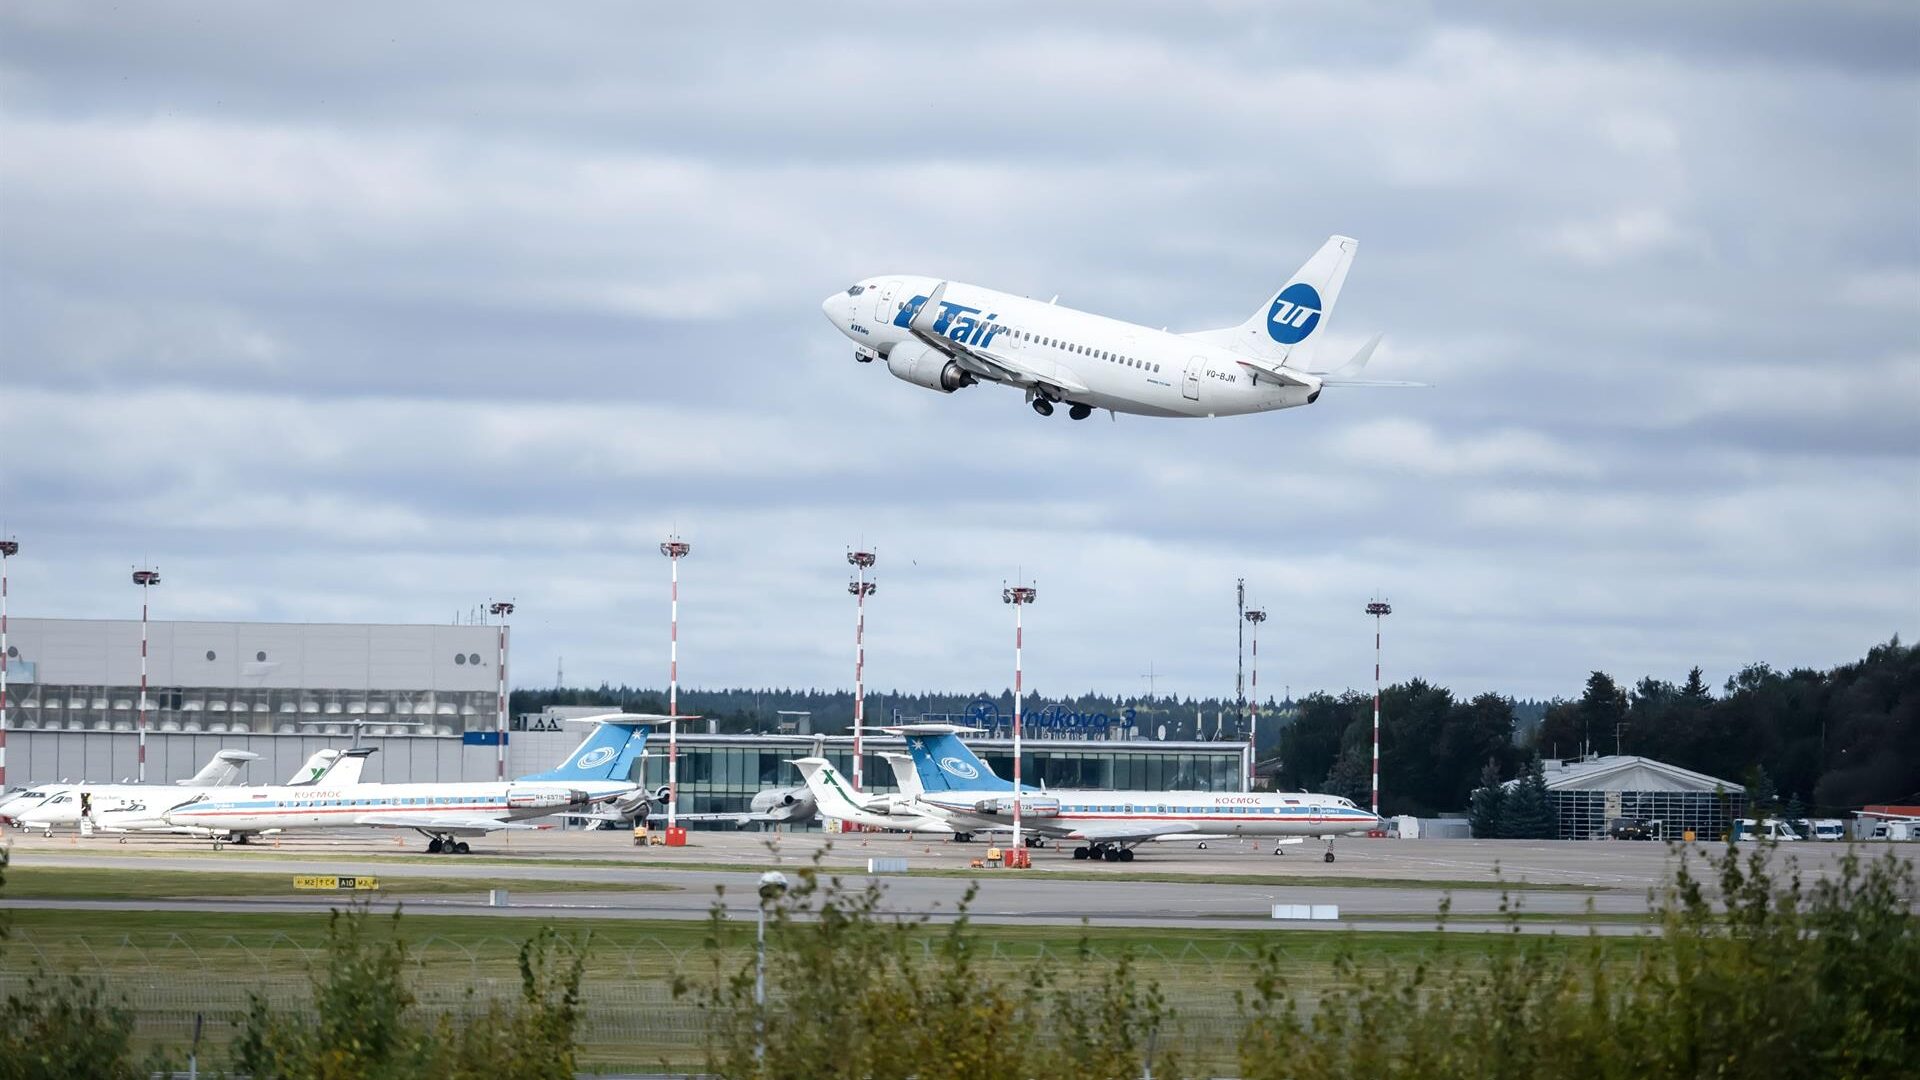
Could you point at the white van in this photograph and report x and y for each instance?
(1769, 829)
(1829, 829)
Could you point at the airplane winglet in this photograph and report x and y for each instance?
(923, 320)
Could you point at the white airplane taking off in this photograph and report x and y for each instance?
(944, 335)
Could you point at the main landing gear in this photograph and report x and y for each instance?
(1044, 406)
(438, 845)
(1104, 851)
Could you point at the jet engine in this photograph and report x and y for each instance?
(923, 365)
(793, 804)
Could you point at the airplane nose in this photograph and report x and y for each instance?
(831, 305)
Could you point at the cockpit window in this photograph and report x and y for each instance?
(856, 290)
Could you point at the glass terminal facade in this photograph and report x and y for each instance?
(722, 773)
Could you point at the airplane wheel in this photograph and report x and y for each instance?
(1126, 855)
(1043, 406)
(1080, 853)
(1080, 412)
(1111, 855)
(433, 847)
(1329, 856)
(1203, 845)
(461, 848)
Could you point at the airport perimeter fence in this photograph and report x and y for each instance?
(629, 1015)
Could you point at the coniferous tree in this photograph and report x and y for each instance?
(1526, 813)
(1487, 800)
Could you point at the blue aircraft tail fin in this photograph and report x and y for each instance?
(946, 764)
(607, 753)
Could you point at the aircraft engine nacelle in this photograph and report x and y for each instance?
(785, 804)
(923, 365)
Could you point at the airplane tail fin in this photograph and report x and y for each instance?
(315, 768)
(220, 771)
(829, 791)
(1289, 326)
(346, 767)
(905, 776)
(609, 752)
(946, 764)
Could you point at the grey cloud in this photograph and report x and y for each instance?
(359, 314)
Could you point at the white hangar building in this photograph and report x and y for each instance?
(424, 695)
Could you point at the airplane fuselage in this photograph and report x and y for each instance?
(256, 809)
(1064, 812)
(1075, 357)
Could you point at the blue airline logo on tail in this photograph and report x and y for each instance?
(956, 321)
(606, 753)
(1295, 312)
(940, 759)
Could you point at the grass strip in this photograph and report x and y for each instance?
(63, 883)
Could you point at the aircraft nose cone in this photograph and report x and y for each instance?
(831, 306)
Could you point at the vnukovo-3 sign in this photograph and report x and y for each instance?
(1063, 718)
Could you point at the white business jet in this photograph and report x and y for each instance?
(945, 335)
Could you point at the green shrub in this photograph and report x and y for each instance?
(1773, 981)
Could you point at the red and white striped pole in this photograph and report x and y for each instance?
(1256, 617)
(503, 609)
(861, 588)
(146, 579)
(674, 549)
(8, 549)
(1378, 609)
(1019, 596)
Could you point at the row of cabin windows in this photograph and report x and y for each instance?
(1097, 354)
(384, 802)
(1130, 808)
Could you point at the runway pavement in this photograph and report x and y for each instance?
(1377, 884)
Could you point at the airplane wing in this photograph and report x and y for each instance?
(1120, 833)
(453, 824)
(983, 363)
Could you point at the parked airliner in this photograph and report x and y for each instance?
(945, 335)
(961, 788)
(838, 798)
(594, 773)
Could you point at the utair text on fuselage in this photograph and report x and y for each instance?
(946, 335)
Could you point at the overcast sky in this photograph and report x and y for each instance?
(369, 312)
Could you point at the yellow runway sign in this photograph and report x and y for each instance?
(332, 883)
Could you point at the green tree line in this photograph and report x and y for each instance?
(1818, 740)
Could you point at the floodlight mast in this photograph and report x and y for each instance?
(9, 547)
(1256, 617)
(1379, 609)
(501, 609)
(1019, 596)
(861, 588)
(146, 579)
(674, 549)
